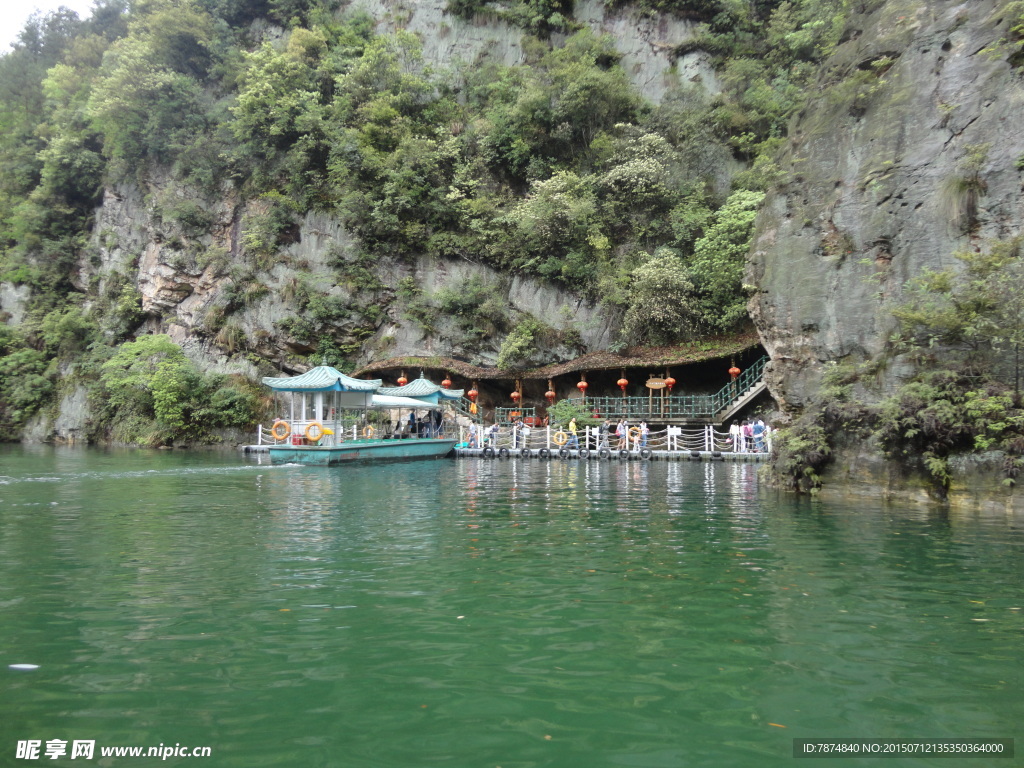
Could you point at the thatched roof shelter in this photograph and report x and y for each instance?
(633, 357)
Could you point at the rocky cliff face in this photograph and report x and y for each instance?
(646, 42)
(186, 296)
(918, 90)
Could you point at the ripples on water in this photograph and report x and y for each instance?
(470, 613)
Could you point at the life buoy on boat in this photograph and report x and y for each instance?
(314, 428)
(280, 430)
(634, 433)
(560, 437)
(367, 431)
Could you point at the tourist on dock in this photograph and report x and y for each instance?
(492, 435)
(516, 427)
(603, 431)
(622, 432)
(748, 437)
(757, 431)
(573, 440)
(472, 436)
(645, 432)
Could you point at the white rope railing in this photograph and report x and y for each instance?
(554, 438)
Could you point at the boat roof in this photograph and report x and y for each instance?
(390, 401)
(423, 389)
(323, 378)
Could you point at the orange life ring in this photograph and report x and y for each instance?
(318, 428)
(368, 431)
(275, 431)
(560, 438)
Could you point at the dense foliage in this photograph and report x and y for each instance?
(557, 168)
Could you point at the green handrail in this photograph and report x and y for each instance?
(504, 415)
(679, 406)
(675, 406)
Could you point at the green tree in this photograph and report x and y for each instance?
(25, 382)
(519, 344)
(562, 412)
(978, 310)
(719, 257)
(660, 307)
(555, 228)
(280, 95)
(154, 394)
(144, 112)
(129, 375)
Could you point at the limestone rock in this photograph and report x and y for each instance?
(914, 88)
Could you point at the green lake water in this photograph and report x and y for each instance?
(471, 613)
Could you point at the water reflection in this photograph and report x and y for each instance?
(638, 613)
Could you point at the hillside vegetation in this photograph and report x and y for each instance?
(556, 169)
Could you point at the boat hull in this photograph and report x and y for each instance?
(361, 451)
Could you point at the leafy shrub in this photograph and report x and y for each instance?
(519, 344)
(562, 412)
(25, 386)
(194, 218)
(152, 393)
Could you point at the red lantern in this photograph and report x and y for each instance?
(734, 371)
(550, 395)
(582, 386)
(447, 383)
(402, 381)
(472, 394)
(515, 395)
(670, 382)
(623, 383)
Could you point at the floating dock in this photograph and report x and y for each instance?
(644, 454)
(573, 454)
